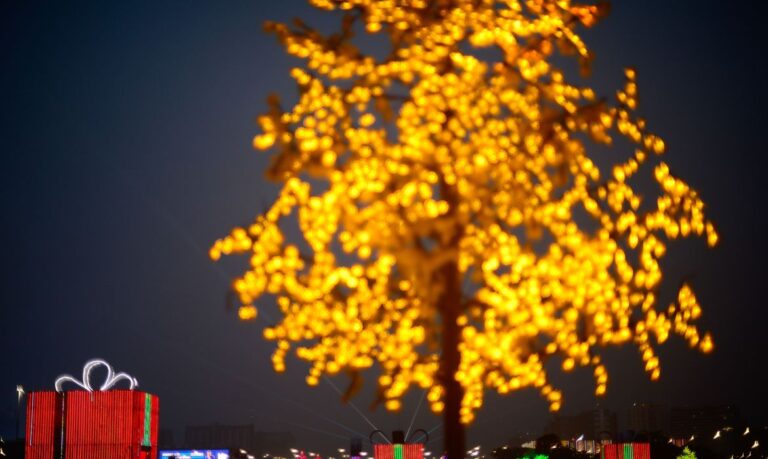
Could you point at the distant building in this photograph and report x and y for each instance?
(567, 427)
(599, 423)
(239, 436)
(518, 439)
(165, 439)
(605, 424)
(702, 421)
(649, 417)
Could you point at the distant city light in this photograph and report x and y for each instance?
(196, 454)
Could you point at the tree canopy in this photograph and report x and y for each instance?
(447, 204)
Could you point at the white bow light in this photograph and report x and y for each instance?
(111, 379)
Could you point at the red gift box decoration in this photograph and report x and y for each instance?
(398, 451)
(92, 424)
(626, 451)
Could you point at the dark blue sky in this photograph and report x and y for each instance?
(125, 133)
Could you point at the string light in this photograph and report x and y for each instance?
(110, 380)
(433, 158)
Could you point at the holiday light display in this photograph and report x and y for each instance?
(626, 451)
(111, 379)
(196, 454)
(454, 229)
(92, 424)
(398, 451)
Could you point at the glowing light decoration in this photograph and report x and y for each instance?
(196, 454)
(454, 229)
(398, 451)
(626, 451)
(111, 379)
(114, 424)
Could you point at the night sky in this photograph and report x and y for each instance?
(125, 132)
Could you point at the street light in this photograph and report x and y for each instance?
(20, 395)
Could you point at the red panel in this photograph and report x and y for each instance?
(611, 451)
(616, 451)
(382, 451)
(642, 450)
(41, 425)
(413, 451)
(155, 426)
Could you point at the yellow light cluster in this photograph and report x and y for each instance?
(397, 168)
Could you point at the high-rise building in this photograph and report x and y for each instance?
(647, 417)
(702, 421)
(165, 439)
(598, 423)
(517, 439)
(605, 424)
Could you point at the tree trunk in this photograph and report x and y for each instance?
(450, 309)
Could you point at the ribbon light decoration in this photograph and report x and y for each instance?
(111, 379)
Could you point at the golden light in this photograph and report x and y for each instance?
(431, 165)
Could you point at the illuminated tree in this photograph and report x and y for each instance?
(454, 231)
(687, 454)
